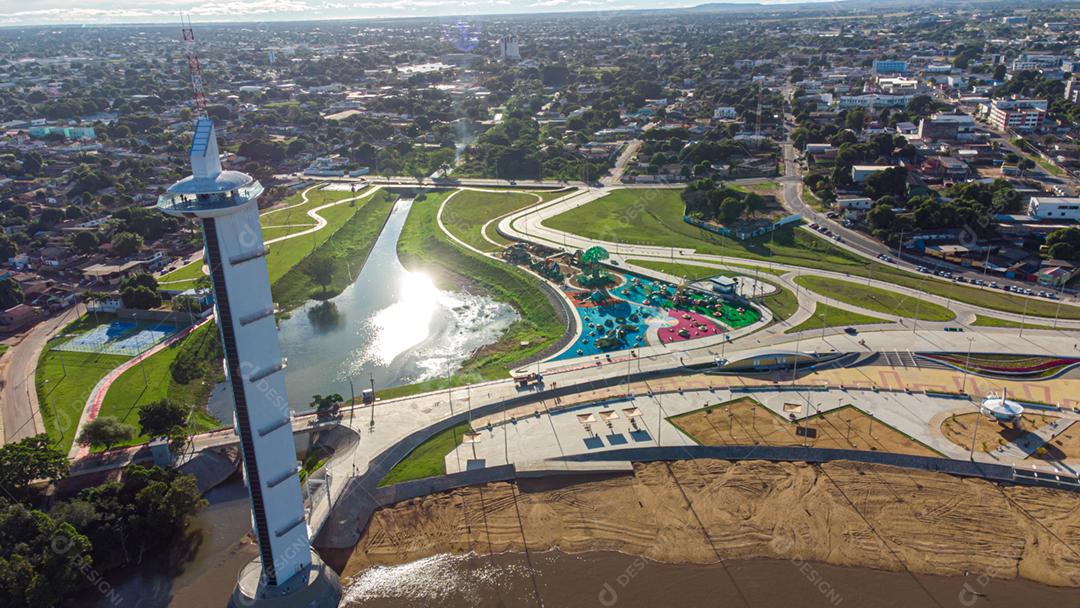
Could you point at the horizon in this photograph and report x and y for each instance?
(78, 13)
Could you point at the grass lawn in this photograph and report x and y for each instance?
(422, 246)
(830, 316)
(654, 217)
(812, 199)
(465, 215)
(64, 381)
(132, 389)
(429, 458)
(875, 298)
(783, 303)
(184, 277)
(285, 219)
(347, 251)
(984, 321)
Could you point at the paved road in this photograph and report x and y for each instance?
(861, 243)
(19, 409)
(528, 225)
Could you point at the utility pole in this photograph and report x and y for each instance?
(352, 401)
(371, 377)
(975, 433)
(1023, 319)
(967, 365)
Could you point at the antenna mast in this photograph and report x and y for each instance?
(194, 68)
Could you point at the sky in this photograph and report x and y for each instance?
(69, 12)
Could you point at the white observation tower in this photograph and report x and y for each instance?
(287, 571)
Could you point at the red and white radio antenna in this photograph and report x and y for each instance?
(194, 68)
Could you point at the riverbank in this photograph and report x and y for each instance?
(424, 247)
(840, 513)
(345, 250)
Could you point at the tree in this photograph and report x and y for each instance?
(126, 243)
(28, 459)
(999, 72)
(163, 418)
(105, 432)
(326, 405)
(320, 269)
(755, 203)
(731, 209)
(140, 291)
(880, 217)
(40, 558)
(50, 216)
(140, 298)
(7, 247)
(11, 293)
(85, 242)
(1064, 244)
(890, 181)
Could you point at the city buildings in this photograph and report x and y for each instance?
(890, 66)
(1023, 115)
(1051, 207)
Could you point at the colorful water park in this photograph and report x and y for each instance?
(621, 317)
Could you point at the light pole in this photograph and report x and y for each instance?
(371, 377)
(142, 359)
(978, 416)
(1023, 319)
(352, 401)
(967, 365)
(915, 321)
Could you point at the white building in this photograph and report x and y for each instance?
(1018, 114)
(874, 101)
(860, 203)
(509, 48)
(859, 173)
(1050, 207)
(1072, 90)
(724, 113)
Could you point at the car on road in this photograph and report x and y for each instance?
(851, 331)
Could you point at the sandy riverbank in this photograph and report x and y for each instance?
(841, 513)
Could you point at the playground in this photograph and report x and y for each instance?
(619, 318)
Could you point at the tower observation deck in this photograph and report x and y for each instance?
(226, 203)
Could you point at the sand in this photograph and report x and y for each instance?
(991, 434)
(745, 421)
(703, 511)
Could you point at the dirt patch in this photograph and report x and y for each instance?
(745, 421)
(701, 511)
(992, 434)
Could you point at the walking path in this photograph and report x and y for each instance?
(320, 223)
(527, 225)
(97, 396)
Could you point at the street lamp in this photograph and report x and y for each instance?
(967, 365)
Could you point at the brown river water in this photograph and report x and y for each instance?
(199, 571)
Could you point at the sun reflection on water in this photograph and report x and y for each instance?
(407, 322)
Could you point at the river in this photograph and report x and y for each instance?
(559, 580)
(390, 325)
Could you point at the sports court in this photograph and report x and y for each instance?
(128, 338)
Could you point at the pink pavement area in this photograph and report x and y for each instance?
(668, 335)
